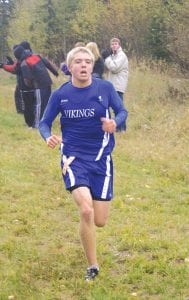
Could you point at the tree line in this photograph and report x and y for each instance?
(157, 29)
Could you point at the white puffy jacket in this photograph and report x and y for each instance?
(117, 70)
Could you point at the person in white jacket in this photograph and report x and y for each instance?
(116, 64)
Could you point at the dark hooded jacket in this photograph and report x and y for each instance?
(34, 68)
(15, 68)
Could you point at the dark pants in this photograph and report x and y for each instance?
(121, 127)
(19, 103)
(29, 104)
(45, 95)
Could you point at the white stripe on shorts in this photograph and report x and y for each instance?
(70, 173)
(107, 178)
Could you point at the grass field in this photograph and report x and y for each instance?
(144, 249)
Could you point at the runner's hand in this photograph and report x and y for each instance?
(53, 140)
(108, 125)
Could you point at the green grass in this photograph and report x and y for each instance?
(144, 249)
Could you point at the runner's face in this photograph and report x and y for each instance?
(81, 68)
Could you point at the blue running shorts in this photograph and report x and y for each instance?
(96, 175)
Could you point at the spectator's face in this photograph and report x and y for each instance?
(81, 69)
(115, 46)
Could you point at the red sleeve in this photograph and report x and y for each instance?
(10, 68)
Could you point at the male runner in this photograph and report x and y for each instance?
(87, 142)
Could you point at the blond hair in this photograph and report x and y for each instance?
(74, 51)
(94, 49)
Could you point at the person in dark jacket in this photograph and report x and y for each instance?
(9, 66)
(24, 95)
(34, 70)
(18, 95)
(98, 68)
(14, 67)
(19, 102)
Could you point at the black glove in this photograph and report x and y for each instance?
(1, 65)
(105, 53)
(10, 61)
